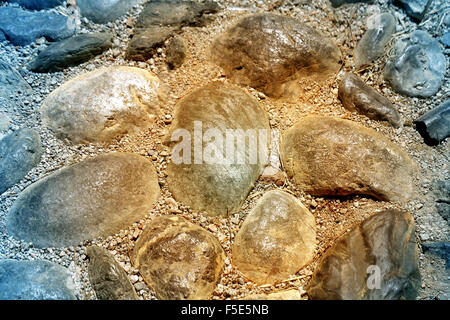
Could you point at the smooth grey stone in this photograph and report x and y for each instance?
(11, 82)
(2, 36)
(107, 277)
(35, 280)
(441, 249)
(385, 243)
(338, 3)
(103, 11)
(381, 27)
(175, 52)
(23, 27)
(37, 4)
(96, 197)
(446, 39)
(71, 52)
(416, 9)
(357, 96)
(434, 126)
(20, 152)
(418, 66)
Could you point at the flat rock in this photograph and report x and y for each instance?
(71, 52)
(20, 152)
(23, 27)
(145, 43)
(112, 101)
(380, 28)
(107, 277)
(277, 238)
(219, 181)
(178, 259)
(441, 190)
(96, 197)
(282, 295)
(434, 126)
(103, 11)
(417, 67)
(338, 3)
(382, 248)
(270, 52)
(416, 9)
(357, 96)
(11, 82)
(176, 52)
(37, 4)
(35, 280)
(441, 249)
(327, 156)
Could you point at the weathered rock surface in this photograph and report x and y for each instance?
(22, 27)
(107, 277)
(441, 190)
(35, 280)
(37, 4)
(418, 66)
(416, 9)
(434, 126)
(71, 52)
(446, 39)
(380, 29)
(178, 259)
(282, 295)
(176, 52)
(383, 245)
(327, 156)
(11, 82)
(207, 175)
(96, 197)
(103, 11)
(159, 20)
(103, 104)
(277, 238)
(20, 152)
(357, 96)
(338, 3)
(269, 52)
(441, 249)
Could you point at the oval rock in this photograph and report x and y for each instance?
(96, 197)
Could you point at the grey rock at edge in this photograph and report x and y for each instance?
(37, 4)
(434, 126)
(416, 9)
(103, 11)
(11, 82)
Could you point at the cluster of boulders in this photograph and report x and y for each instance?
(321, 155)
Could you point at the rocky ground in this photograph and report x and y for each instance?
(334, 216)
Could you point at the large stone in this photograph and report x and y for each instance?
(357, 96)
(277, 238)
(96, 197)
(178, 259)
(203, 173)
(441, 249)
(416, 9)
(270, 52)
(35, 280)
(103, 11)
(434, 126)
(377, 260)
(327, 156)
(103, 104)
(380, 29)
(71, 52)
(338, 3)
(418, 66)
(441, 190)
(37, 4)
(23, 27)
(107, 277)
(176, 52)
(146, 41)
(20, 152)
(11, 82)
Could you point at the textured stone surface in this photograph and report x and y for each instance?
(23, 27)
(96, 197)
(445, 39)
(145, 42)
(338, 3)
(71, 52)
(277, 238)
(327, 156)
(178, 259)
(207, 182)
(20, 152)
(11, 82)
(107, 277)
(35, 280)
(37, 4)
(357, 96)
(416, 9)
(417, 67)
(282, 295)
(441, 249)
(386, 241)
(176, 52)
(380, 28)
(103, 104)
(434, 126)
(441, 190)
(103, 11)
(269, 52)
